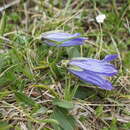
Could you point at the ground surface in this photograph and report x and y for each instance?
(31, 78)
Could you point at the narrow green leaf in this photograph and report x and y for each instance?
(63, 103)
(3, 24)
(4, 94)
(4, 125)
(49, 121)
(66, 121)
(23, 98)
(99, 111)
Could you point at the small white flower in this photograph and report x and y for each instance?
(100, 18)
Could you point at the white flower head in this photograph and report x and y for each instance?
(100, 18)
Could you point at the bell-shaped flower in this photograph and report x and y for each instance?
(61, 39)
(94, 71)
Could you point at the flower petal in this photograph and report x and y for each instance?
(109, 58)
(72, 42)
(58, 36)
(95, 66)
(93, 78)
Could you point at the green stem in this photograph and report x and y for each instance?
(67, 6)
(46, 87)
(52, 65)
(67, 92)
(81, 51)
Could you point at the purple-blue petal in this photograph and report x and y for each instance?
(95, 66)
(93, 78)
(72, 42)
(109, 58)
(59, 36)
(65, 39)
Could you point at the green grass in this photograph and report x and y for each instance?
(36, 90)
